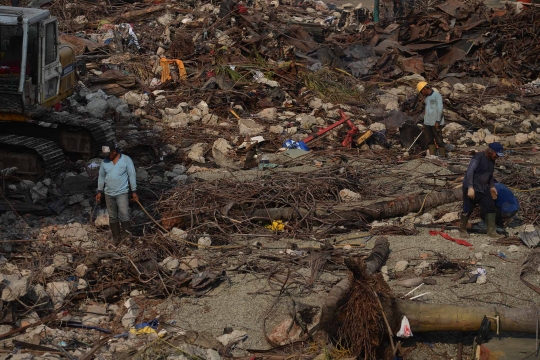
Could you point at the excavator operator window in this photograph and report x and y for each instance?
(50, 43)
(12, 39)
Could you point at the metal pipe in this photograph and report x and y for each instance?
(24, 55)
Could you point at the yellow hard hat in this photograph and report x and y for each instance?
(421, 85)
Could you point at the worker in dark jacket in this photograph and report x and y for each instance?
(116, 176)
(506, 204)
(479, 189)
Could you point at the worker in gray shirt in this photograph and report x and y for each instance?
(433, 119)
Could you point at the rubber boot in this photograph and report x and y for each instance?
(442, 152)
(432, 149)
(463, 222)
(115, 230)
(126, 232)
(491, 226)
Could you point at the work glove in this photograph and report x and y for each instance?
(493, 193)
(470, 193)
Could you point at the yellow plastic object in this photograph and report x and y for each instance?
(144, 330)
(166, 72)
(364, 137)
(277, 225)
(421, 85)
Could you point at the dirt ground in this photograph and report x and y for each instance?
(246, 299)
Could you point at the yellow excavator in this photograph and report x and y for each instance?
(36, 73)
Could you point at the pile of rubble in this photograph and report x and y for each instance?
(218, 107)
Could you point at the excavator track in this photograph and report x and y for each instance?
(39, 147)
(102, 132)
(34, 157)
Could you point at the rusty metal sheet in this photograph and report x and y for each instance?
(457, 52)
(453, 8)
(81, 45)
(413, 65)
(417, 32)
(429, 45)
(381, 48)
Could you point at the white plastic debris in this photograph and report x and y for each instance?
(405, 329)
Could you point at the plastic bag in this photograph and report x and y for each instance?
(405, 330)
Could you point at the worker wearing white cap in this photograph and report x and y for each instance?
(116, 176)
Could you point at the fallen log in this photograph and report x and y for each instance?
(425, 317)
(359, 210)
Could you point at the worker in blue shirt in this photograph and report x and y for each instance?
(479, 189)
(433, 119)
(116, 175)
(506, 204)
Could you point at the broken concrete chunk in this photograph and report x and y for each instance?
(267, 114)
(197, 153)
(377, 127)
(233, 338)
(180, 179)
(170, 264)
(142, 175)
(179, 169)
(210, 119)
(419, 269)
(81, 270)
(178, 234)
(315, 103)
(250, 127)
(27, 184)
(501, 107)
(521, 138)
(203, 107)
(286, 332)
(58, 291)
(39, 192)
(97, 108)
(62, 259)
(276, 129)
(204, 242)
(349, 195)
(133, 98)
(190, 263)
(449, 217)
(133, 310)
(14, 286)
(401, 265)
(220, 153)
(73, 232)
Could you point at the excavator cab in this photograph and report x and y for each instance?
(36, 72)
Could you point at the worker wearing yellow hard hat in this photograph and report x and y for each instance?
(433, 118)
(421, 85)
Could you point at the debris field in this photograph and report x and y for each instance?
(260, 233)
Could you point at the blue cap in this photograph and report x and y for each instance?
(497, 147)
